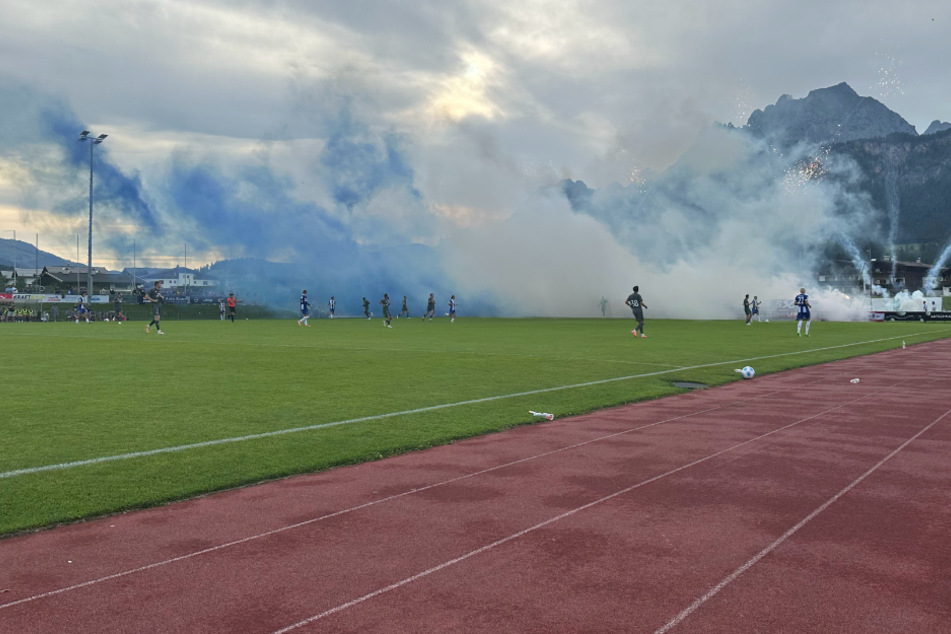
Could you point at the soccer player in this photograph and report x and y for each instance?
(754, 306)
(82, 311)
(802, 301)
(332, 306)
(385, 303)
(746, 309)
(404, 311)
(430, 307)
(154, 297)
(221, 309)
(636, 302)
(232, 306)
(117, 308)
(366, 307)
(452, 309)
(304, 309)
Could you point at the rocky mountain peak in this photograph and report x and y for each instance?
(826, 115)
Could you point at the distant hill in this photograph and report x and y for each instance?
(25, 255)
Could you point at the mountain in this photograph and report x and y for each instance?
(25, 255)
(937, 126)
(828, 115)
(903, 175)
(910, 175)
(887, 187)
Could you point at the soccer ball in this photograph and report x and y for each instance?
(747, 372)
(767, 321)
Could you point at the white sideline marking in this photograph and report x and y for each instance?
(363, 419)
(739, 571)
(530, 529)
(366, 504)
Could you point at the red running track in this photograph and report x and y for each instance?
(797, 502)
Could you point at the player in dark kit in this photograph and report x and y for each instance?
(636, 302)
(154, 297)
(802, 302)
(385, 303)
(430, 307)
(366, 307)
(117, 309)
(746, 309)
(404, 311)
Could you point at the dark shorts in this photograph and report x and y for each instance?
(638, 314)
(386, 312)
(231, 310)
(803, 316)
(156, 310)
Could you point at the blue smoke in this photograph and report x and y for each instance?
(35, 120)
(359, 165)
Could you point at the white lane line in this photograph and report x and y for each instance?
(237, 439)
(756, 558)
(530, 529)
(373, 503)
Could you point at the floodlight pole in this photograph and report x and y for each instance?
(93, 141)
(14, 231)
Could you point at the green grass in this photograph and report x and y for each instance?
(81, 392)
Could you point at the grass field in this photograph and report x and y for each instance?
(213, 405)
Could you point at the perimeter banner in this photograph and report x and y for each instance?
(919, 316)
(40, 298)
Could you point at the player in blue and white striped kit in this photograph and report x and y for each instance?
(304, 310)
(332, 306)
(802, 301)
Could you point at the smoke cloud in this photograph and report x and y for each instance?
(352, 206)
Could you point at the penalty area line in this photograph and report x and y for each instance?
(420, 410)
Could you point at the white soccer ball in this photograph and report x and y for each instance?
(767, 321)
(747, 372)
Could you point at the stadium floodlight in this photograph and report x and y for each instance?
(14, 232)
(84, 136)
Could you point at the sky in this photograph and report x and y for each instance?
(419, 146)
